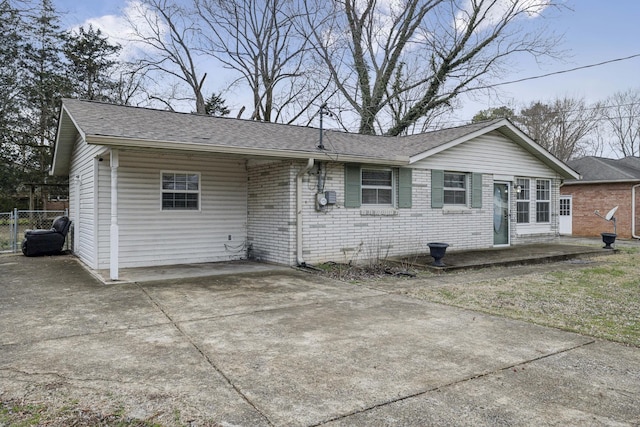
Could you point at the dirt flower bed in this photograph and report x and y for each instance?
(364, 272)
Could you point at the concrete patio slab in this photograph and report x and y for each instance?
(67, 313)
(146, 371)
(216, 296)
(593, 385)
(306, 365)
(181, 271)
(288, 348)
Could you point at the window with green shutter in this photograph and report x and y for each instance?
(476, 190)
(455, 189)
(366, 185)
(437, 188)
(351, 186)
(405, 186)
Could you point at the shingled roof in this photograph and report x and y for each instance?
(134, 127)
(601, 169)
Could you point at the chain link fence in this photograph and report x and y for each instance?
(13, 225)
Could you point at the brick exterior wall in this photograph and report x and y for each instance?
(271, 221)
(602, 197)
(357, 234)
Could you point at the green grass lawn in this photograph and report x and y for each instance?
(600, 298)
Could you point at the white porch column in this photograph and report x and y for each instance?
(114, 235)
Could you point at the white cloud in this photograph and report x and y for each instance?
(119, 28)
(496, 11)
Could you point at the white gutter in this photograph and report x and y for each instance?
(633, 212)
(299, 259)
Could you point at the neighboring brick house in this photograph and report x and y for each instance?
(150, 187)
(604, 184)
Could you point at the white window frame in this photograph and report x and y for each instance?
(543, 201)
(164, 191)
(522, 197)
(464, 190)
(378, 187)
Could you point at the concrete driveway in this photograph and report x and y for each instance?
(287, 348)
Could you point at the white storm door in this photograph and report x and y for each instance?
(566, 215)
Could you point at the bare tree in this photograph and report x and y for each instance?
(378, 51)
(621, 112)
(561, 126)
(259, 40)
(129, 84)
(171, 39)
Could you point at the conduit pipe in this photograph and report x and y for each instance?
(299, 259)
(633, 212)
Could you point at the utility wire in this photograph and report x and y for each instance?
(558, 72)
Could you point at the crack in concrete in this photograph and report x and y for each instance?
(451, 384)
(77, 379)
(204, 355)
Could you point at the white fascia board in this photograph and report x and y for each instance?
(78, 128)
(530, 145)
(66, 143)
(131, 143)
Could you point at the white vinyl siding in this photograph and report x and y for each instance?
(152, 236)
(103, 218)
(82, 205)
(492, 153)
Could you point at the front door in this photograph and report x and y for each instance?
(566, 217)
(500, 214)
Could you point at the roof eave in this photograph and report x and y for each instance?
(133, 143)
(542, 154)
(601, 181)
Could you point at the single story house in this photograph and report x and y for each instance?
(604, 184)
(151, 187)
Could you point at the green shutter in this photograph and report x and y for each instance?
(437, 188)
(352, 191)
(404, 188)
(476, 190)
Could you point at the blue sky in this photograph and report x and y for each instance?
(594, 31)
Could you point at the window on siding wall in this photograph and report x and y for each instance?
(455, 188)
(543, 200)
(180, 191)
(523, 201)
(377, 187)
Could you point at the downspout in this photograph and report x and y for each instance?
(299, 259)
(633, 212)
(114, 241)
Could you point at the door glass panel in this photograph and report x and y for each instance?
(500, 214)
